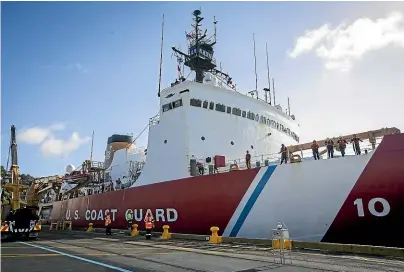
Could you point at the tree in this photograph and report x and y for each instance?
(3, 172)
(25, 178)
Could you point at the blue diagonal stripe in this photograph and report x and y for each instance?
(251, 201)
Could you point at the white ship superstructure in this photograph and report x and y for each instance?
(200, 119)
(204, 118)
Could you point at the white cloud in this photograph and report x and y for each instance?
(37, 135)
(50, 145)
(341, 46)
(53, 146)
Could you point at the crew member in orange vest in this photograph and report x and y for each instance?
(149, 223)
(314, 148)
(330, 147)
(108, 225)
(342, 145)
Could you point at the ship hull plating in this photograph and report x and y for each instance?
(355, 200)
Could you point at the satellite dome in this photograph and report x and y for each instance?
(70, 168)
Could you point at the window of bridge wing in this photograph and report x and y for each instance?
(220, 107)
(211, 105)
(195, 102)
(228, 110)
(167, 107)
(172, 105)
(177, 103)
(236, 111)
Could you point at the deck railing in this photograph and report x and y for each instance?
(275, 158)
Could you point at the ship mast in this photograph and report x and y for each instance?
(200, 51)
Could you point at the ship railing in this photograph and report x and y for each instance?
(97, 164)
(275, 158)
(365, 147)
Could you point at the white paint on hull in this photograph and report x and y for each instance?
(303, 193)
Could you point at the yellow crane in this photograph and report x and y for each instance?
(14, 187)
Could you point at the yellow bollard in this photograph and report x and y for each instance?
(166, 234)
(135, 231)
(90, 227)
(215, 238)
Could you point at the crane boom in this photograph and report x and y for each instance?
(14, 187)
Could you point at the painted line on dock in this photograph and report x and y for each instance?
(27, 255)
(78, 258)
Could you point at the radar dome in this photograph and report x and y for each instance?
(70, 168)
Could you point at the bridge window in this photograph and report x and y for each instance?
(167, 107)
(177, 103)
(236, 111)
(221, 107)
(211, 105)
(195, 102)
(205, 104)
(172, 105)
(228, 110)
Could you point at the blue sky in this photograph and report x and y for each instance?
(83, 66)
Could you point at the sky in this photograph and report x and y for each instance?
(69, 68)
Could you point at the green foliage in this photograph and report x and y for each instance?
(26, 179)
(3, 171)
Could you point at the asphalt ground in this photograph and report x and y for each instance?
(93, 252)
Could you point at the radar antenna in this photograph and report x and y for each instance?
(200, 52)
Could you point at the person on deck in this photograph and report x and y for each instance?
(149, 223)
(330, 147)
(108, 225)
(356, 141)
(201, 168)
(284, 154)
(314, 148)
(342, 145)
(248, 160)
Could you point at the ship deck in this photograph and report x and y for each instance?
(93, 252)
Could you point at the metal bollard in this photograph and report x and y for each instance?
(135, 231)
(90, 227)
(166, 234)
(215, 238)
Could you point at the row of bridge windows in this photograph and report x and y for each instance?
(235, 111)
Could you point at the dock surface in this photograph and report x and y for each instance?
(94, 252)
